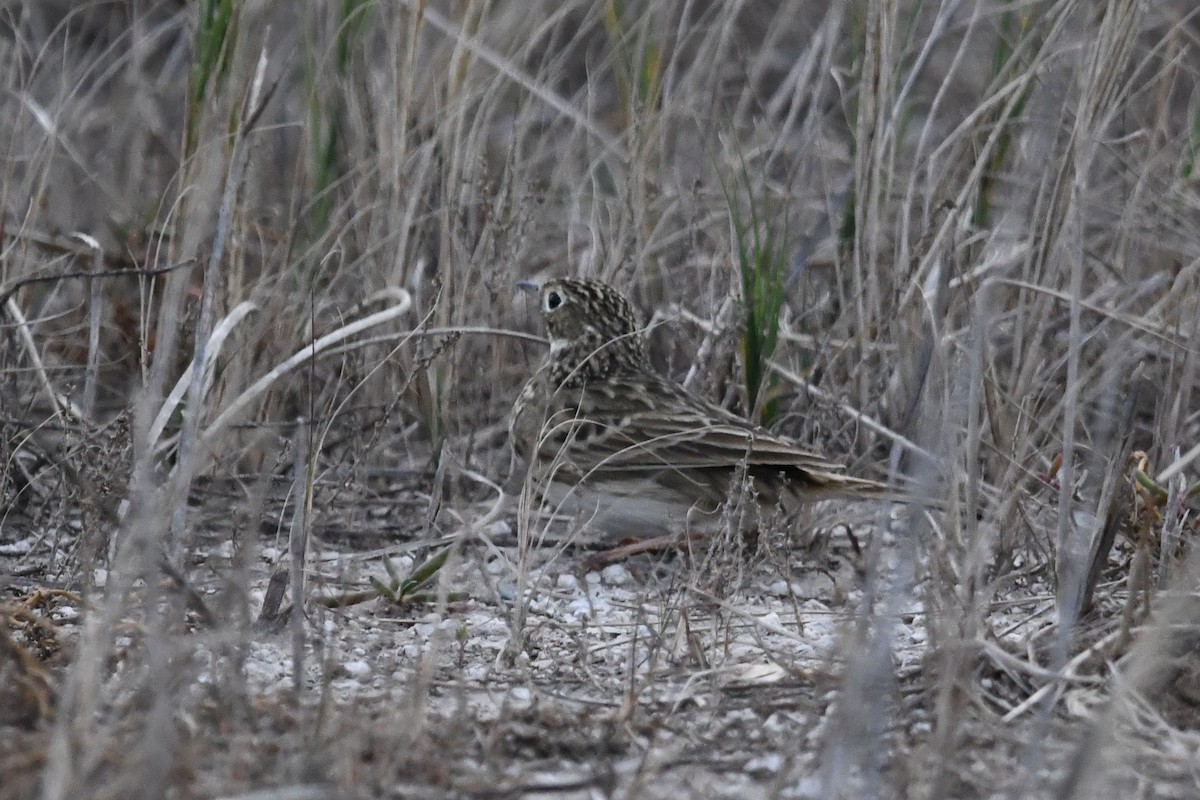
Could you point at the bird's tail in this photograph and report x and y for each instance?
(832, 485)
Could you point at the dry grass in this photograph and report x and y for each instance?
(256, 275)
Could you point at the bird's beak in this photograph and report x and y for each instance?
(529, 286)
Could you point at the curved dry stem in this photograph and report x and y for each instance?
(211, 351)
(296, 359)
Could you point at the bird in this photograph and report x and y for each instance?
(606, 438)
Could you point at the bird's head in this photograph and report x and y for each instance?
(592, 329)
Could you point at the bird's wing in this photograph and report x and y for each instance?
(635, 425)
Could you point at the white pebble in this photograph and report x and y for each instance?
(567, 581)
(357, 669)
(782, 721)
(765, 765)
(23, 547)
(579, 608)
(806, 787)
(615, 574)
(499, 528)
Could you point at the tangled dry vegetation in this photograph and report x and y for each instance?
(258, 338)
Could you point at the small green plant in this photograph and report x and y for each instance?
(215, 37)
(1007, 63)
(638, 66)
(325, 109)
(460, 635)
(761, 251)
(413, 588)
(1193, 147)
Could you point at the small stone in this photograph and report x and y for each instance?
(615, 574)
(357, 669)
(780, 722)
(807, 787)
(499, 528)
(18, 548)
(764, 766)
(579, 608)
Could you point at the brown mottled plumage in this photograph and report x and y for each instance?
(609, 438)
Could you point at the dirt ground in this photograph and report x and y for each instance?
(718, 672)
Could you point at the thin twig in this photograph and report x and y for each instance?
(302, 492)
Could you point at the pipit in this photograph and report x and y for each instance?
(607, 438)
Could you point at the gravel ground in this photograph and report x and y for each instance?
(706, 673)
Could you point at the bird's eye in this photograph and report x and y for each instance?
(553, 300)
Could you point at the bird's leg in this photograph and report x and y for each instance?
(598, 561)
